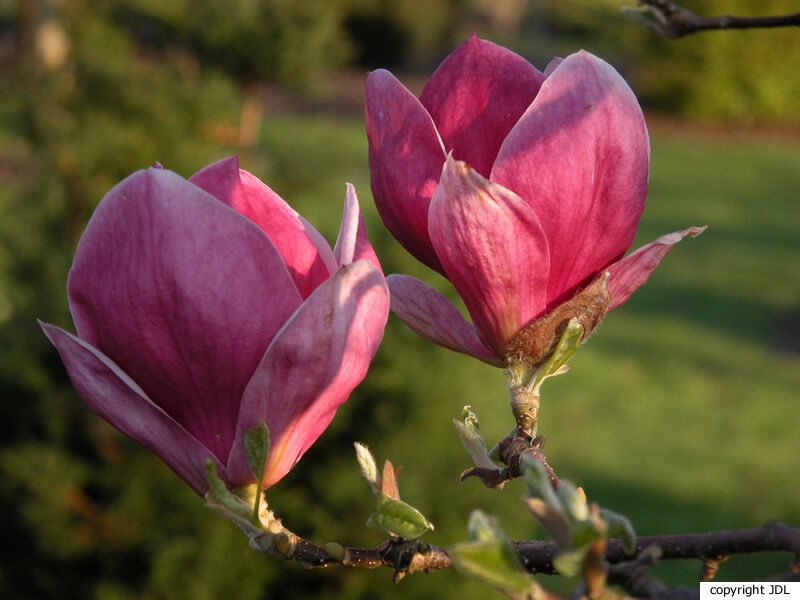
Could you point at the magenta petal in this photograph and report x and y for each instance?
(476, 96)
(551, 66)
(405, 162)
(184, 294)
(629, 274)
(113, 395)
(289, 233)
(579, 157)
(493, 250)
(311, 367)
(352, 243)
(430, 314)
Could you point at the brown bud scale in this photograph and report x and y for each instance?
(534, 344)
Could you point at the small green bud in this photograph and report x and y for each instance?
(335, 550)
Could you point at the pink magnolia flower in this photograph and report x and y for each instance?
(205, 305)
(520, 187)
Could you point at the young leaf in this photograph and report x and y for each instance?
(225, 497)
(489, 557)
(256, 447)
(470, 436)
(620, 527)
(567, 345)
(569, 563)
(481, 527)
(573, 501)
(369, 469)
(399, 518)
(539, 484)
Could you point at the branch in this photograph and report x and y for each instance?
(537, 557)
(402, 555)
(412, 556)
(510, 451)
(674, 21)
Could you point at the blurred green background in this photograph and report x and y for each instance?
(681, 412)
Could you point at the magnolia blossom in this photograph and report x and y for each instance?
(520, 187)
(207, 305)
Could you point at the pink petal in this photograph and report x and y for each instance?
(551, 66)
(312, 366)
(293, 237)
(184, 294)
(493, 250)
(476, 96)
(352, 243)
(405, 162)
(579, 157)
(629, 274)
(430, 314)
(113, 395)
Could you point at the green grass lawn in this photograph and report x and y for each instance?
(681, 411)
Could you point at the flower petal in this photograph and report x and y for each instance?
(184, 294)
(405, 162)
(311, 367)
(629, 274)
(493, 250)
(113, 395)
(430, 314)
(476, 96)
(352, 243)
(295, 238)
(579, 157)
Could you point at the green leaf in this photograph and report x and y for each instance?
(489, 557)
(539, 484)
(584, 534)
(567, 345)
(481, 527)
(256, 447)
(619, 526)
(573, 501)
(569, 563)
(230, 501)
(491, 561)
(470, 435)
(554, 522)
(399, 518)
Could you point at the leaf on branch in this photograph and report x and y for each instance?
(223, 496)
(398, 518)
(619, 526)
(256, 447)
(552, 521)
(489, 557)
(470, 435)
(557, 363)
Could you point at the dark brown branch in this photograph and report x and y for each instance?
(511, 450)
(674, 21)
(537, 557)
(412, 556)
(404, 556)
